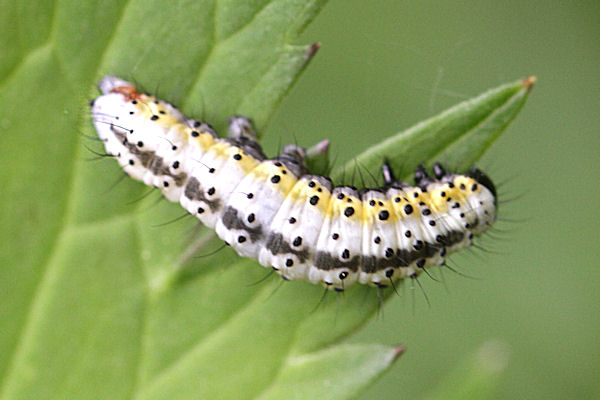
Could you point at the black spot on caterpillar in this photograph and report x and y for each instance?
(273, 210)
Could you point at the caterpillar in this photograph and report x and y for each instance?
(273, 210)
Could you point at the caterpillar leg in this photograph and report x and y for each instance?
(314, 158)
(240, 126)
(421, 174)
(438, 171)
(242, 134)
(388, 174)
(422, 178)
(294, 157)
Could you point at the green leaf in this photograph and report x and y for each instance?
(476, 377)
(310, 377)
(457, 137)
(97, 301)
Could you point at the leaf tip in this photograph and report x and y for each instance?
(398, 351)
(313, 49)
(529, 82)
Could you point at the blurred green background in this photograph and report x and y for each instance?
(385, 65)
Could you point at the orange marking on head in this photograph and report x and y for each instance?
(129, 92)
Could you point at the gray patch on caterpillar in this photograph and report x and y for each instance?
(400, 258)
(276, 244)
(158, 168)
(428, 250)
(150, 160)
(372, 264)
(232, 221)
(453, 237)
(404, 257)
(327, 262)
(193, 191)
